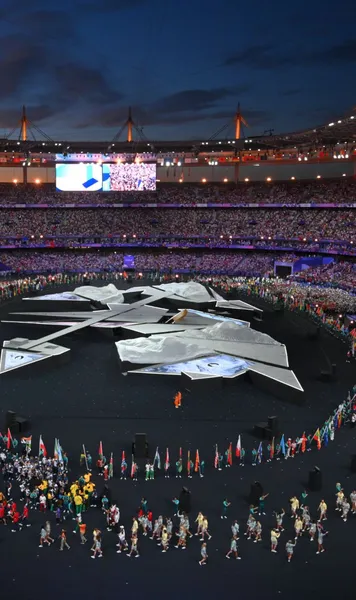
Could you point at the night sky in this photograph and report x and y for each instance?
(182, 65)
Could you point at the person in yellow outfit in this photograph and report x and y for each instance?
(74, 488)
(89, 489)
(78, 504)
(87, 477)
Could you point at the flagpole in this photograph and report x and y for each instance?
(85, 458)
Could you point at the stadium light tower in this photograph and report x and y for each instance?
(129, 124)
(24, 123)
(239, 121)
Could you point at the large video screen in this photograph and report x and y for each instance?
(124, 177)
(129, 177)
(79, 178)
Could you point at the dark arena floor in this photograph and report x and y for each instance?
(88, 400)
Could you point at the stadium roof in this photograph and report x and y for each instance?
(338, 131)
(334, 132)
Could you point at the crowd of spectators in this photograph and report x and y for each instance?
(336, 274)
(141, 223)
(295, 295)
(340, 191)
(173, 261)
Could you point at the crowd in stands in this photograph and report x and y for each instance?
(140, 223)
(217, 262)
(336, 274)
(340, 191)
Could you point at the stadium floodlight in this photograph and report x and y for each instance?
(352, 117)
(331, 124)
(269, 179)
(318, 176)
(14, 181)
(225, 180)
(37, 181)
(247, 179)
(203, 180)
(339, 121)
(293, 178)
(344, 174)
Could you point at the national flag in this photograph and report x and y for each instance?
(229, 454)
(260, 451)
(336, 421)
(27, 441)
(216, 459)
(238, 447)
(188, 463)
(166, 462)
(111, 467)
(180, 453)
(123, 461)
(339, 419)
(58, 454)
(101, 451)
(283, 445)
(133, 467)
(316, 437)
(42, 448)
(157, 459)
(271, 451)
(55, 451)
(9, 439)
(197, 462)
(326, 436)
(304, 440)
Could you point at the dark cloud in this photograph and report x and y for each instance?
(192, 100)
(339, 53)
(263, 56)
(268, 56)
(10, 117)
(20, 59)
(114, 118)
(79, 83)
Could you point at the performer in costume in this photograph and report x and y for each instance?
(122, 545)
(290, 549)
(242, 457)
(225, 506)
(133, 548)
(204, 554)
(235, 529)
(274, 540)
(233, 550)
(294, 504)
(323, 508)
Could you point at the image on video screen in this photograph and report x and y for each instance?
(129, 177)
(79, 178)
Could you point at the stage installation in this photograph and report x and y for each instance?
(180, 329)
